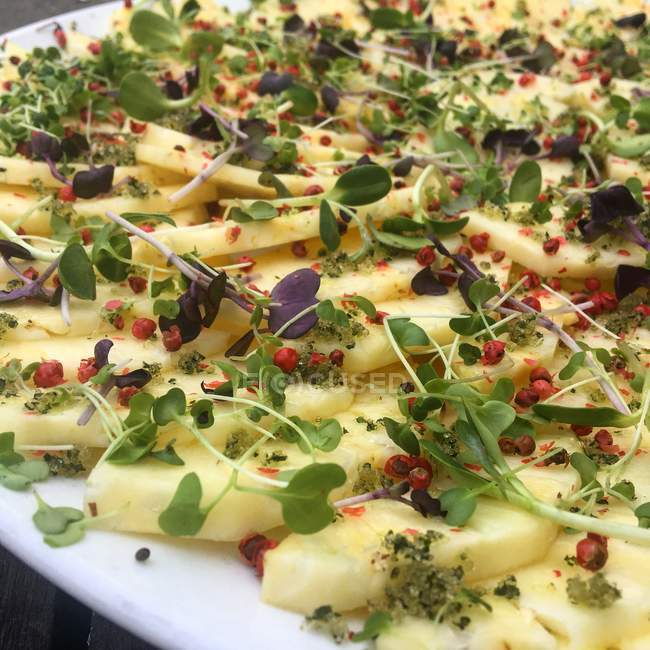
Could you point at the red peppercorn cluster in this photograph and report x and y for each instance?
(253, 548)
(49, 374)
(591, 552)
(493, 352)
(541, 387)
(414, 469)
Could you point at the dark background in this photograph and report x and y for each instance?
(35, 615)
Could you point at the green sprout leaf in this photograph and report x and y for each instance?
(257, 211)
(328, 227)
(585, 467)
(154, 32)
(166, 308)
(142, 99)
(642, 513)
(470, 354)
(169, 407)
(364, 305)
(459, 504)
(576, 362)
(388, 18)
(168, 455)
(305, 505)
(183, 515)
(361, 186)
(374, 625)
(526, 183)
(592, 417)
(76, 273)
(448, 141)
(400, 433)
(303, 99)
(442, 227)
(407, 334)
(482, 290)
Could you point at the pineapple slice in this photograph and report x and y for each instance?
(338, 565)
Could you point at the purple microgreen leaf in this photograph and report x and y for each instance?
(403, 167)
(630, 278)
(240, 347)
(135, 378)
(9, 249)
(102, 349)
(566, 146)
(293, 24)
(44, 146)
(293, 294)
(613, 202)
(521, 139)
(425, 283)
(330, 98)
(633, 21)
(97, 180)
(173, 89)
(273, 83)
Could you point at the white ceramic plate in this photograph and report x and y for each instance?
(189, 595)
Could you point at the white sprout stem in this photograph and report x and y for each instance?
(270, 411)
(45, 447)
(452, 354)
(65, 307)
(260, 478)
(165, 251)
(513, 289)
(617, 467)
(232, 127)
(419, 186)
(567, 389)
(295, 319)
(37, 253)
(400, 354)
(576, 308)
(211, 169)
(28, 213)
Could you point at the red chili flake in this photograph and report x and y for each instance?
(86, 236)
(49, 374)
(246, 259)
(585, 75)
(531, 362)
(95, 47)
(472, 467)
(548, 142)
(623, 252)
(557, 573)
(232, 234)
(268, 470)
(66, 193)
(354, 511)
(526, 232)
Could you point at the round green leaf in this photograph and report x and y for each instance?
(141, 98)
(361, 186)
(526, 184)
(76, 273)
(304, 100)
(154, 31)
(169, 406)
(328, 227)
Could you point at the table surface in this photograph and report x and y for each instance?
(34, 614)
